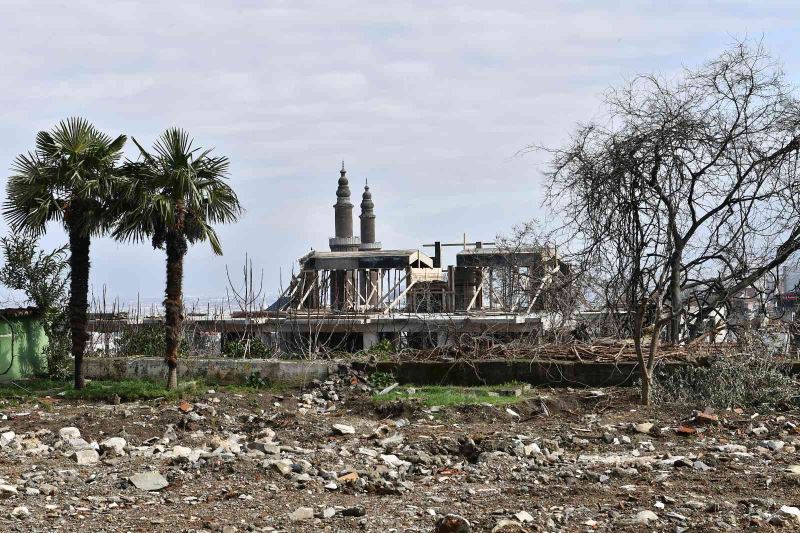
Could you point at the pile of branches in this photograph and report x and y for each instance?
(605, 350)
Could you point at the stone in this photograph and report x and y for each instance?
(508, 526)
(773, 445)
(7, 490)
(149, 481)
(524, 516)
(645, 517)
(644, 427)
(7, 438)
(343, 429)
(452, 523)
(532, 449)
(47, 489)
(20, 512)
(700, 465)
(86, 456)
(350, 477)
(354, 511)
(113, 446)
(388, 389)
(790, 513)
(69, 433)
(302, 513)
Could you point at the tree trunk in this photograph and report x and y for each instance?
(676, 299)
(78, 299)
(173, 304)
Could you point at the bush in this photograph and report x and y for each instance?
(250, 348)
(146, 339)
(743, 379)
(380, 380)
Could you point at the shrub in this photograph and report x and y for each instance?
(380, 380)
(146, 339)
(250, 348)
(742, 379)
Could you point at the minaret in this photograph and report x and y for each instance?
(368, 222)
(344, 240)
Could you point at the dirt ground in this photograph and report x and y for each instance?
(559, 460)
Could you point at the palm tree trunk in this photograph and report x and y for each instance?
(173, 304)
(78, 299)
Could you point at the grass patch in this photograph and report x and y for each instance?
(455, 396)
(126, 390)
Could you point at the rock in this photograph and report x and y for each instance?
(532, 449)
(47, 489)
(149, 481)
(113, 446)
(283, 466)
(452, 523)
(69, 433)
(644, 427)
(700, 465)
(7, 438)
(508, 526)
(354, 511)
(350, 477)
(20, 512)
(302, 513)
(773, 445)
(388, 389)
(524, 516)
(645, 517)
(343, 429)
(732, 448)
(789, 513)
(7, 491)
(86, 456)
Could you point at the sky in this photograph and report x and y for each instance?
(431, 101)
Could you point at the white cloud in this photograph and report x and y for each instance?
(429, 100)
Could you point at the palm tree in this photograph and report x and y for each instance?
(69, 178)
(174, 196)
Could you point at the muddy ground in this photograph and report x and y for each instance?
(559, 460)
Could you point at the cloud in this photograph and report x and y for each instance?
(429, 100)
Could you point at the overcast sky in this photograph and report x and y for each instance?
(431, 101)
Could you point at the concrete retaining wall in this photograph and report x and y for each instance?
(298, 373)
(552, 373)
(292, 373)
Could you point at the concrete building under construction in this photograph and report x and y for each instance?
(358, 293)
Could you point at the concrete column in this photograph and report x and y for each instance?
(370, 339)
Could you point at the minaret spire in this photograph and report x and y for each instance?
(343, 240)
(368, 221)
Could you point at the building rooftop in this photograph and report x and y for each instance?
(370, 259)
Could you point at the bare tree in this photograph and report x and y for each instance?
(685, 195)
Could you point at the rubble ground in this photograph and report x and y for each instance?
(340, 456)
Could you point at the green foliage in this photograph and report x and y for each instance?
(249, 348)
(125, 390)
(146, 339)
(256, 381)
(452, 396)
(176, 188)
(382, 349)
(70, 177)
(380, 380)
(737, 380)
(42, 276)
